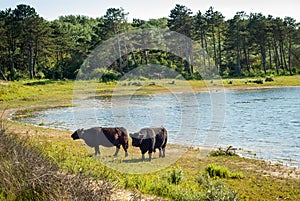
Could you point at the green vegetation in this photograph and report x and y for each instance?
(29, 174)
(49, 93)
(251, 45)
(214, 170)
(44, 150)
(248, 51)
(187, 179)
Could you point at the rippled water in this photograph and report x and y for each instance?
(265, 121)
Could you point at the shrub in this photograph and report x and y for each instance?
(218, 191)
(203, 179)
(214, 170)
(217, 171)
(236, 175)
(110, 75)
(176, 176)
(221, 152)
(269, 79)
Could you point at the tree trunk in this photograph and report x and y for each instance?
(238, 61)
(119, 54)
(215, 51)
(263, 57)
(134, 59)
(12, 65)
(276, 57)
(282, 56)
(188, 56)
(203, 53)
(146, 56)
(270, 57)
(208, 59)
(219, 50)
(246, 56)
(30, 63)
(289, 58)
(2, 74)
(35, 57)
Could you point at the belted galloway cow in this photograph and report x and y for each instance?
(149, 139)
(107, 137)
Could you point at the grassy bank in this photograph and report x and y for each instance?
(195, 176)
(48, 92)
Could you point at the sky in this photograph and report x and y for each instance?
(147, 9)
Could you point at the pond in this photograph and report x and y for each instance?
(261, 123)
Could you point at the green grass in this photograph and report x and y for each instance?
(214, 170)
(177, 181)
(178, 176)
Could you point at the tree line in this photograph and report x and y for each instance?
(246, 45)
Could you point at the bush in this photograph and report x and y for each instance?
(222, 172)
(203, 179)
(221, 152)
(176, 176)
(217, 171)
(110, 75)
(218, 191)
(257, 81)
(269, 79)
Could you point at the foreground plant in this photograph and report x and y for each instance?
(27, 174)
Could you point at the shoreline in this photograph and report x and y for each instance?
(11, 115)
(276, 179)
(241, 152)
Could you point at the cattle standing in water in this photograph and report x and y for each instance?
(149, 139)
(107, 137)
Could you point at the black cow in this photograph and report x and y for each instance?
(107, 137)
(149, 139)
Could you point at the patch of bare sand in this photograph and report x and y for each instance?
(125, 195)
(268, 169)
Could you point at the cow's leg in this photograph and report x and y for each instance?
(117, 151)
(150, 156)
(164, 152)
(97, 151)
(126, 153)
(160, 154)
(143, 157)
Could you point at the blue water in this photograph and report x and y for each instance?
(263, 123)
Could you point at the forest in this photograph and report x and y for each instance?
(246, 45)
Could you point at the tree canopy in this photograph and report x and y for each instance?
(246, 45)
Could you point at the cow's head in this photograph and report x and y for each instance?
(76, 135)
(137, 139)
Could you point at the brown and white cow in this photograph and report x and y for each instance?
(107, 137)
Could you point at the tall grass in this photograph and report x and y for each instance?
(27, 174)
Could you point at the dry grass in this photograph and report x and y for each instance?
(28, 174)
